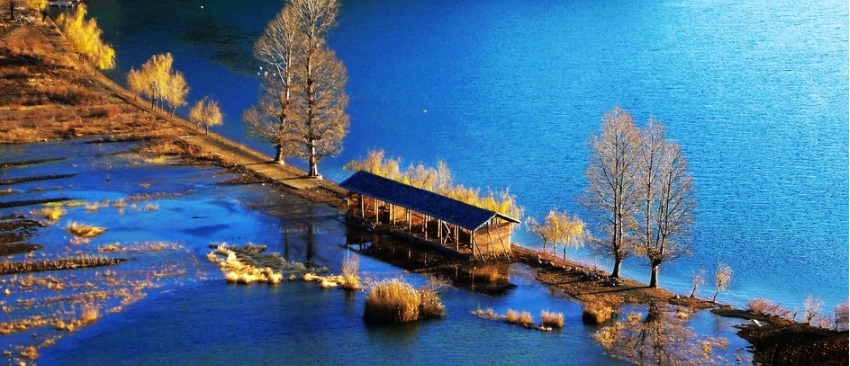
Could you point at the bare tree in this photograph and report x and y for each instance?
(611, 190)
(302, 107)
(722, 279)
(273, 119)
(811, 308)
(325, 122)
(323, 82)
(699, 280)
(664, 212)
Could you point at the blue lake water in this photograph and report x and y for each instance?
(508, 93)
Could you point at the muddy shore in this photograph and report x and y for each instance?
(47, 94)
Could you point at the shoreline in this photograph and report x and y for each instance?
(175, 136)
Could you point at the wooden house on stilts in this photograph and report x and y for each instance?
(436, 218)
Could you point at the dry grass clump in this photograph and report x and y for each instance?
(598, 310)
(30, 353)
(430, 305)
(760, 306)
(395, 301)
(51, 213)
(392, 301)
(85, 231)
(89, 313)
(94, 206)
(522, 318)
(552, 319)
(489, 314)
(350, 272)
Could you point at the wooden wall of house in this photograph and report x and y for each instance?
(490, 244)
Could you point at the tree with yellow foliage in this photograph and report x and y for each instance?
(175, 91)
(206, 112)
(36, 4)
(85, 36)
(560, 229)
(157, 81)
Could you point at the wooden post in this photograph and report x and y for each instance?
(409, 224)
(440, 231)
(471, 237)
(425, 225)
(362, 206)
(377, 217)
(457, 241)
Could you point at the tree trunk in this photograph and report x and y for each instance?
(206, 129)
(653, 278)
(314, 163)
(278, 155)
(616, 271)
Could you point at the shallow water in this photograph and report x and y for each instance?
(199, 319)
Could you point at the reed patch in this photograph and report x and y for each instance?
(395, 301)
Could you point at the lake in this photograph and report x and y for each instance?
(509, 92)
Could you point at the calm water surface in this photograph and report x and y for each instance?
(508, 93)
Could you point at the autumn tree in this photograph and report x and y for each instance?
(174, 91)
(665, 200)
(324, 122)
(206, 112)
(611, 193)
(302, 107)
(36, 4)
(659, 338)
(84, 36)
(559, 228)
(157, 81)
(136, 82)
(274, 119)
(722, 279)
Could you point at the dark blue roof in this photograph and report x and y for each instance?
(432, 204)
